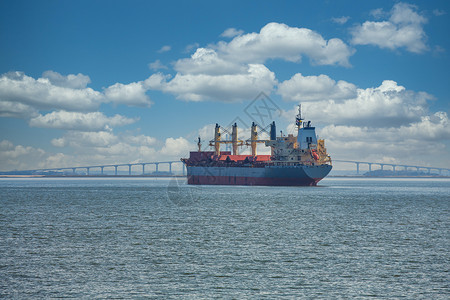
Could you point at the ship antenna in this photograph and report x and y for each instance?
(299, 119)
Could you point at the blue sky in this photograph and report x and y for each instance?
(91, 82)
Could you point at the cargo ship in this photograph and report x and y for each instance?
(300, 160)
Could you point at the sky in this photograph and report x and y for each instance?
(103, 82)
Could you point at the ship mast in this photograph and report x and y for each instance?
(199, 144)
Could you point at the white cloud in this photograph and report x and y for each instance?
(403, 29)
(176, 147)
(18, 157)
(93, 148)
(165, 48)
(207, 61)
(277, 40)
(378, 13)
(310, 88)
(341, 20)
(72, 81)
(133, 94)
(206, 133)
(384, 106)
(387, 124)
(141, 140)
(234, 71)
(157, 65)
(234, 87)
(232, 32)
(80, 139)
(416, 143)
(40, 93)
(16, 110)
(431, 128)
(93, 121)
(22, 96)
(439, 12)
(190, 47)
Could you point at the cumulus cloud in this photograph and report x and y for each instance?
(207, 61)
(16, 110)
(94, 148)
(311, 88)
(383, 106)
(234, 70)
(80, 139)
(22, 96)
(403, 29)
(409, 143)
(105, 147)
(18, 157)
(277, 40)
(133, 94)
(16, 87)
(140, 140)
(387, 124)
(93, 121)
(72, 81)
(231, 32)
(176, 146)
(228, 87)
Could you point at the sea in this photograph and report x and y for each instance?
(147, 238)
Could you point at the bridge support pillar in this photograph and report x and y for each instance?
(393, 168)
(115, 170)
(73, 171)
(184, 169)
(170, 168)
(370, 167)
(157, 164)
(129, 170)
(143, 169)
(87, 169)
(357, 168)
(102, 169)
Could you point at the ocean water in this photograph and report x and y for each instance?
(160, 238)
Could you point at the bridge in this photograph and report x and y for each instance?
(102, 168)
(393, 166)
(142, 165)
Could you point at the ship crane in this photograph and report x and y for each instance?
(234, 139)
(253, 141)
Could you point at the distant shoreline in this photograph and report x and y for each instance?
(88, 176)
(183, 176)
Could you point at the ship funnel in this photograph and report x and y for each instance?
(273, 131)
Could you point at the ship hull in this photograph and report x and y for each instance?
(300, 175)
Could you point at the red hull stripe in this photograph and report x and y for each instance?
(231, 180)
